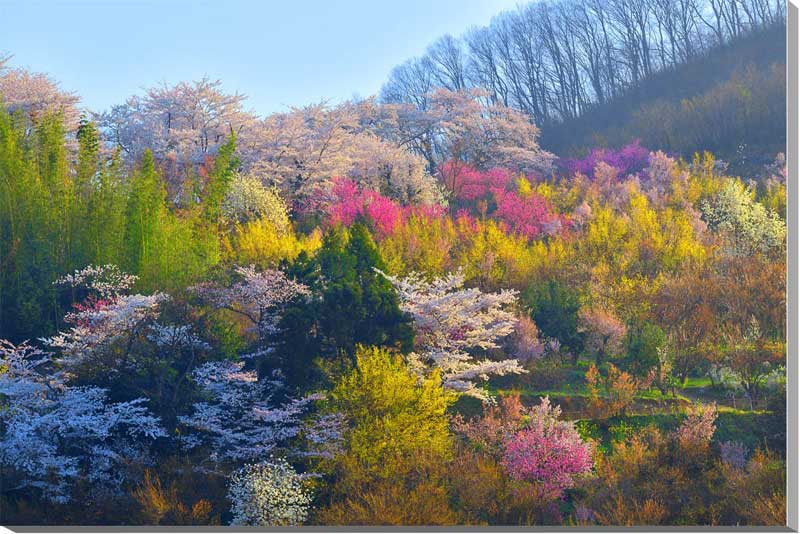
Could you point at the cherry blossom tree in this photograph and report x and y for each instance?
(260, 297)
(698, 428)
(302, 150)
(238, 418)
(36, 95)
(604, 331)
(106, 323)
(525, 343)
(453, 323)
(548, 452)
(468, 128)
(184, 122)
(54, 434)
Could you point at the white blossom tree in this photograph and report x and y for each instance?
(106, 324)
(302, 150)
(454, 323)
(270, 493)
(239, 419)
(748, 226)
(248, 199)
(53, 434)
(36, 95)
(465, 127)
(259, 296)
(118, 339)
(184, 122)
(299, 151)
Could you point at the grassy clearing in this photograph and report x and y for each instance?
(567, 388)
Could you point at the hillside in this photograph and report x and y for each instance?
(731, 101)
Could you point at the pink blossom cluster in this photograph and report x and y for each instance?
(350, 201)
(548, 452)
(468, 183)
(698, 429)
(526, 215)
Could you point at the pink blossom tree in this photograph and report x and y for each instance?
(698, 428)
(526, 215)
(604, 331)
(468, 183)
(548, 453)
(346, 202)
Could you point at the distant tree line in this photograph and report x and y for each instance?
(555, 59)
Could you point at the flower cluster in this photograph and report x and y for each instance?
(56, 434)
(238, 419)
(247, 199)
(101, 323)
(526, 215)
(697, 430)
(348, 202)
(105, 282)
(747, 225)
(268, 494)
(451, 322)
(629, 159)
(548, 453)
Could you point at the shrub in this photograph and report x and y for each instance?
(548, 453)
(268, 494)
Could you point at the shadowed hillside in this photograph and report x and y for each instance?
(730, 102)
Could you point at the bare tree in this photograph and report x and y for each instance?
(448, 60)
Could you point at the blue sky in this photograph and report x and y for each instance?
(279, 53)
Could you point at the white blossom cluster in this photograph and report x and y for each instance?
(99, 325)
(324, 435)
(105, 281)
(248, 199)
(54, 434)
(452, 323)
(238, 418)
(749, 226)
(259, 296)
(268, 494)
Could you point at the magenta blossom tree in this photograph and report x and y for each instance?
(548, 453)
(468, 183)
(526, 215)
(630, 159)
(346, 202)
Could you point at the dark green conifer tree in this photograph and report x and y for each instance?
(352, 305)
